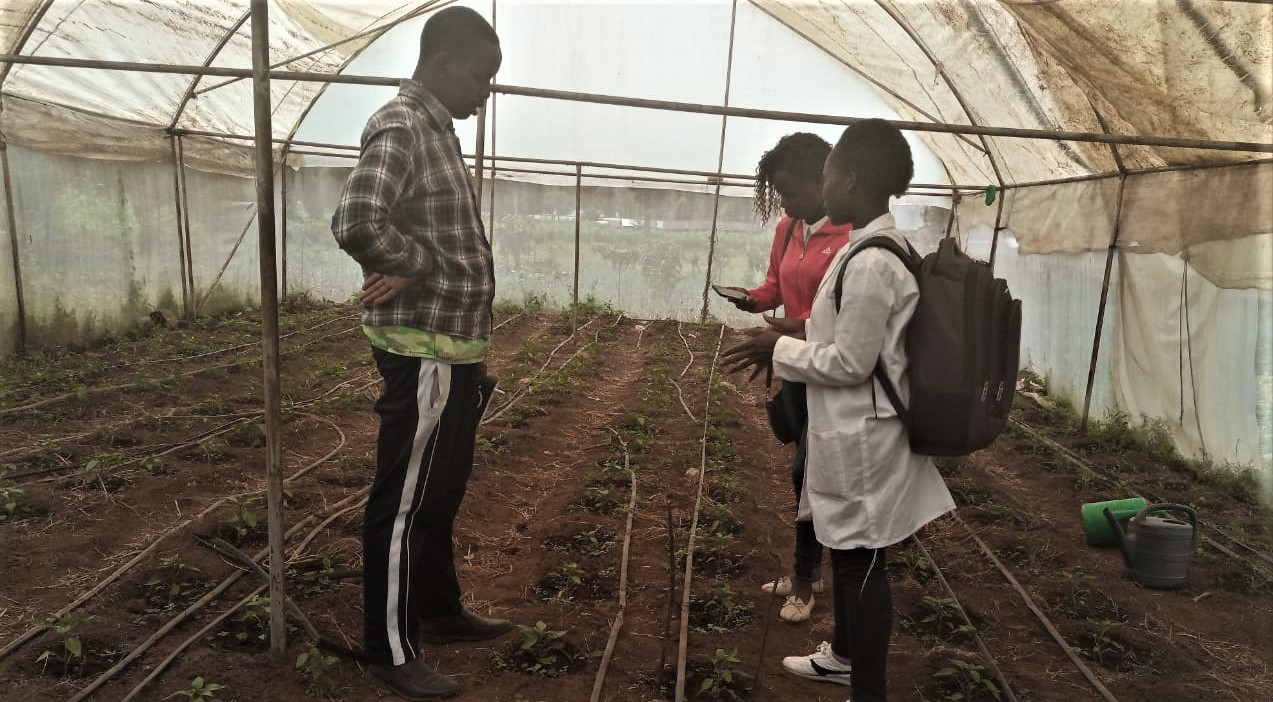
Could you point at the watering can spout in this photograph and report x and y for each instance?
(1120, 536)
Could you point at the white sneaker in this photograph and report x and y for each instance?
(795, 610)
(821, 666)
(782, 586)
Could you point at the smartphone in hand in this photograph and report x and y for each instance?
(730, 293)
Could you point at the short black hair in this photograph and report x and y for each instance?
(455, 30)
(801, 154)
(878, 153)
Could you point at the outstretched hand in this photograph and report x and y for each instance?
(787, 326)
(379, 287)
(756, 353)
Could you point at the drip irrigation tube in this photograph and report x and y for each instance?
(599, 684)
(688, 579)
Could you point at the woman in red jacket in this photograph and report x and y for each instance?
(789, 176)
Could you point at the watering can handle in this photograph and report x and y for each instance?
(1171, 507)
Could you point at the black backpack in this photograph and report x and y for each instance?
(962, 348)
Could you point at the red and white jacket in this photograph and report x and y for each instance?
(792, 279)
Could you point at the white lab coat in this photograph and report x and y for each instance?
(863, 487)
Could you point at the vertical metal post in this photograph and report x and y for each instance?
(574, 290)
(183, 193)
(282, 220)
(711, 245)
(269, 318)
(181, 231)
(994, 241)
(13, 245)
(1109, 264)
(1100, 312)
(490, 233)
(479, 161)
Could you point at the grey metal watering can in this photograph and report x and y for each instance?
(1156, 548)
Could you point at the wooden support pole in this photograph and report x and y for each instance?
(12, 220)
(269, 321)
(1100, 312)
(720, 165)
(574, 290)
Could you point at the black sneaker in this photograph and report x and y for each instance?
(465, 626)
(413, 680)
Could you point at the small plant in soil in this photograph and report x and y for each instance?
(538, 652)
(210, 451)
(718, 676)
(249, 435)
(598, 500)
(596, 541)
(943, 620)
(719, 611)
(610, 473)
(713, 558)
(569, 582)
(910, 563)
(1099, 643)
(315, 579)
(243, 521)
(249, 630)
(154, 466)
(199, 690)
(72, 653)
(95, 475)
(718, 521)
(962, 681)
(9, 501)
(173, 583)
(496, 444)
(318, 672)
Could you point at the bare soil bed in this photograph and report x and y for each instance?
(113, 460)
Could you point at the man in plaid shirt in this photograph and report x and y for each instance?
(409, 216)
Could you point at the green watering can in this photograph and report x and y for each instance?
(1156, 548)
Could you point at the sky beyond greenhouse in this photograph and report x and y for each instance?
(649, 49)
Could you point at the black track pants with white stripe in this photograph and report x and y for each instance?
(429, 414)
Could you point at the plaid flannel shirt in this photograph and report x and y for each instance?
(408, 209)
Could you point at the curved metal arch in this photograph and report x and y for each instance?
(425, 7)
(892, 12)
(24, 37)
(212, 56)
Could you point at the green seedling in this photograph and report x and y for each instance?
(596, 541)
(198, 690)
(9, 495)
(243, 519)
(719, 611)
(66, 626)
(944, 620)
(317, 670)
(1101, 646)
(540, 651)
(169, 581)
(721, 675)
(912, 564)
(961, 681)
(318, 581)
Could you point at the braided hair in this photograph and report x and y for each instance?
(801, 154)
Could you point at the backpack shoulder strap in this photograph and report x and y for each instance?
(791, 229)
(910, 258)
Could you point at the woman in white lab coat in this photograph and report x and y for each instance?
(864, 488)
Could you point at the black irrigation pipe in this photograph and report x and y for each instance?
(225, 584)
(599, 684)
(1038, 613)
(1087, 465)
(688, 579)
(157, 539)
(976, 635)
